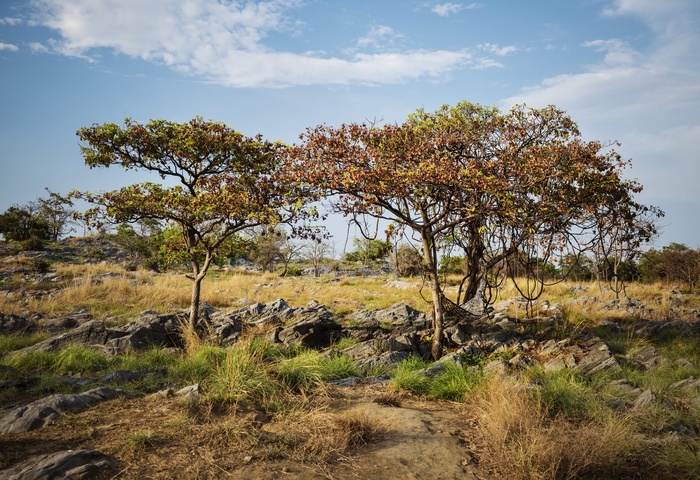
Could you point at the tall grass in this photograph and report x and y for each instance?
(532, 442)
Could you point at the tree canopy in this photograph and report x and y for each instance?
(490, 182)
(225, 182)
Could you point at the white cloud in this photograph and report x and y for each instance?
(496, 49)
(225, 42)
(10, 21)
(447, 9)
(379, 36)
(8, 46)
(616, 51)
(647, 100)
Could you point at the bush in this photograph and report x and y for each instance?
(40, 265)
(32, 244)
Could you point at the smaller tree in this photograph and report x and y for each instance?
(226, 183)
(368, 250)
(407, 260)
(20, 223)
(316, 252)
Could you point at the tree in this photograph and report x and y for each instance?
(673, 263)
(316, 253)
(21, 223)
(495, 182)
(368, 250)
(225, 183)
(57, 213)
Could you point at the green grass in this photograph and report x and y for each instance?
(10, 343)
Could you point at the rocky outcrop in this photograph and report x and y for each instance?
(78, 464)
(47, 410)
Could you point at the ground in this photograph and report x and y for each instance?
(162, 438)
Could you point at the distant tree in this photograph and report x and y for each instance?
(673, 263)
(226, 183)
(497, 182)
(316, 252)
(368, 250)
(21, 223)
(267, 243)
(57, 213)
(407, 260)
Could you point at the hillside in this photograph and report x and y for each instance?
(327, 377)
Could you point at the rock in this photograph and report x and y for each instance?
(315, 329)
(688, 385)
(564, 360)
(398, 314)
(92, 332)
(644, 400)
(12, 324)
(496, 367)
(77, 465)
(647, 358)
(375, 380)
(189, 389)
(46, 410)
(383, 361)
(551, 347)
(598, 358)
(617, 404)
(521, 362)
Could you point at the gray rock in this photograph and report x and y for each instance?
(647, 358)
(47, 410)
(598, 358)
(689, 385)
(497, 368)
(10, 323)
(315, 329)
(92, 332)
(382, 361)
(564, 360)
(398, 314)
(644, 400)
(77, 465)
(617, 404)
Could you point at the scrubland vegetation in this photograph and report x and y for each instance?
(564, 428)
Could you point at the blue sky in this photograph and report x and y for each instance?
(625, 70)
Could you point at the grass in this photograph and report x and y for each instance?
(530, 441)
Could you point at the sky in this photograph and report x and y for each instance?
(626, 71)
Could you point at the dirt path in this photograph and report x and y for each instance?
(424, 440)
(421, 440)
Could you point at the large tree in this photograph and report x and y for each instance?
(469, 174)
(222, 183)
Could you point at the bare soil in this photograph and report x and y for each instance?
(164, 438)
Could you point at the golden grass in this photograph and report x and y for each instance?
(528, 442)
(86, 286)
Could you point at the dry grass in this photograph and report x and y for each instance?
(530, 443)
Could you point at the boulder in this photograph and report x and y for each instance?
(383, 361)
(10, 324)
(398, 314)
(598, 358)
(77, 465)
(647, 358)
(315, 329)
(90, 333)
(47, 410)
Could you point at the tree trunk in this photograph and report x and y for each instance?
(194, 303)
(438, 314)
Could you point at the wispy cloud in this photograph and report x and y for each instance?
(648, 99)
(10, 21)
(496, 49)
(8, 46)
(379, 36)
(447, 9)
(226, 42)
